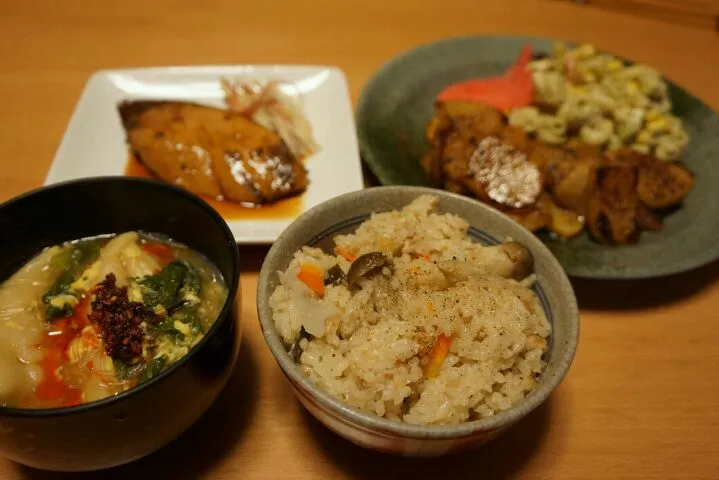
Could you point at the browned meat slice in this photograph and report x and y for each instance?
(569, 177)
(474, 129)
(211, 151)
(431, 162)
(456, 155)
(615, 195)
(584, 150)
(436, 133)
(554, 162)
(453, 134)
(663, 185)
(612, 210)
(647, 218)
(455, 187)
(474, 118)
(455, 166)
(517, 138)
(437, 128)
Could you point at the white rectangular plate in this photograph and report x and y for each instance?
(94, 142)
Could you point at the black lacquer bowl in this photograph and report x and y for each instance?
(135, 423)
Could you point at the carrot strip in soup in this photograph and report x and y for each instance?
(437, 355)
(163, 253)
(512, 90)
(66, 329)
(55, 343)
(313, 277)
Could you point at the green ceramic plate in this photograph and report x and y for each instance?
(397, 103)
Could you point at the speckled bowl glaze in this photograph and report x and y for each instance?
(343, 214)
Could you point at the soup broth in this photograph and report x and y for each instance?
(91, 318)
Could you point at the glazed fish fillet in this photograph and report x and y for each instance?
(212, 152)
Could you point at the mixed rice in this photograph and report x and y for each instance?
(410, 320)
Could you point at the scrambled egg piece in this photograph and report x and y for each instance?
(61, 301)
(87, 279)
(167, 348)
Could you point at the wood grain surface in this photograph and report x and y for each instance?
(694, 13)
(640, 401)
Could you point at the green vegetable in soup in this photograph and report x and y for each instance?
(164, 287)
(124, 371)
(190, 291)
(167, 328)
(174, 288)
(153, 368)
(192, 325)
(71, 261)
(175, 293)
(146, 371)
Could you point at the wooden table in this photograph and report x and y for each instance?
(641, 398)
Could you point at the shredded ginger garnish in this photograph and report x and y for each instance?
(268, 105)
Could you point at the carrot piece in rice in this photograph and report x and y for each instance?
(346, 254)
(437, 355)
(313, 277)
